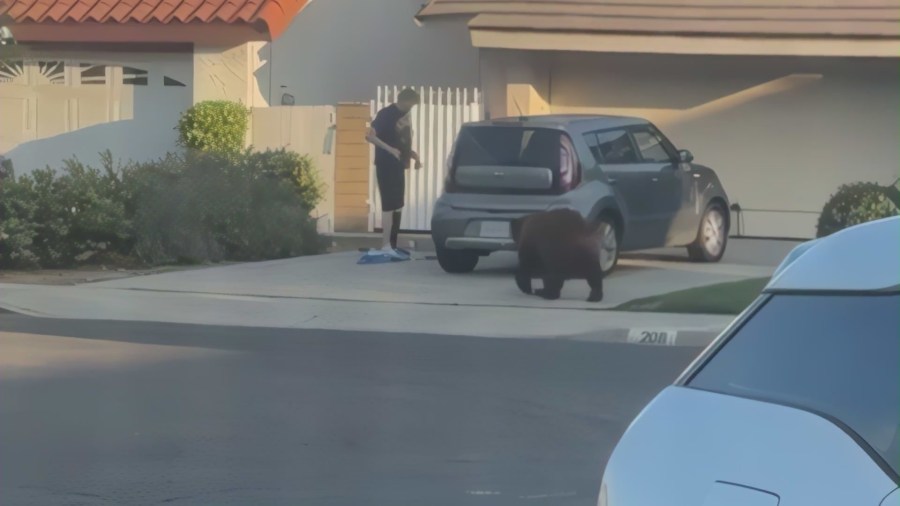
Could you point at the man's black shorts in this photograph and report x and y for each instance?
(391, 185)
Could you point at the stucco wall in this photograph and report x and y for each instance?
(782, 133)
(341, 50)
(230, 73)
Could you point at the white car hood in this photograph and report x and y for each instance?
(695, 448)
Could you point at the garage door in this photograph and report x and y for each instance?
(50, 105)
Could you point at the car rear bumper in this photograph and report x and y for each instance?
(480, 243)
(457, 220)
(456, 227)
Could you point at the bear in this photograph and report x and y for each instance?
(557, 245)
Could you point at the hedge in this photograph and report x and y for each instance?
(857, 203)
(194, 207)
(214, 126)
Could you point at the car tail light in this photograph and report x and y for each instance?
(569, 167)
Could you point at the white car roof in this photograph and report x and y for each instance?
(861, 258)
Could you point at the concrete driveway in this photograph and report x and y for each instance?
(333, 292)
(421, 281)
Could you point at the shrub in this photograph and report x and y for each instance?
(6, 168)
(191, 208)
(856, 203)
(74, 215)
(17, 225)
(214, 125)
(98, 221)
(207, 207)
(298, 169)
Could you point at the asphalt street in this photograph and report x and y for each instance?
(108, 413)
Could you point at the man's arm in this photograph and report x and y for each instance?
(372, 137)
(383, 120)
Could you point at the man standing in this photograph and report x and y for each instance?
(391, 134)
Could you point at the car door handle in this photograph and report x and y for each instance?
(654, 179)
(612, 180)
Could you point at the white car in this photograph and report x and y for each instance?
(797, 403)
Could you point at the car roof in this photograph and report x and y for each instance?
(563, 121)
(861, 258)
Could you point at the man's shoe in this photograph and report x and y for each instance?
(394, 254)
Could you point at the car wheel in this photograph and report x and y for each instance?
(712, 236)
(609, 244)
(457, 261)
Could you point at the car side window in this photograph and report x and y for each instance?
(651, 146)
(612, 147)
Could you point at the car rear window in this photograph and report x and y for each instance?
(508, 147)
(835, 355)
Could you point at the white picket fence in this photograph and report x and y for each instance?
(435, 123)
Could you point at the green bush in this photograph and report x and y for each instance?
(6, 168)
(214, 125)
(191, 208)
(290, 166)
(56, 219)
(208, 207)
(17, 225)
(856, 203)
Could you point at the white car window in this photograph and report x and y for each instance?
(834, 355)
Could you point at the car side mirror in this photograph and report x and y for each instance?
(685, 156)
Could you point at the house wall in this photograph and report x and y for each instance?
(46, 122)
(230, 73)
(782, 133)
(341, 50)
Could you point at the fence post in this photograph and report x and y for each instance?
(351, 167)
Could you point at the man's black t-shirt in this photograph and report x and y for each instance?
(385, 126)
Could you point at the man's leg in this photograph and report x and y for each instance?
(385, 183)
(387, 226)
(395, 227)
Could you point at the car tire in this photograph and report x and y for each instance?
(609, 236)
(457, 261)
(712, 235)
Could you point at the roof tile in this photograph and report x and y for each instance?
(100, 10)
(39, 8)
(164, 10)
(78, 12)
(186, 10)
(122, 10)
(60, 9)
(275, 14)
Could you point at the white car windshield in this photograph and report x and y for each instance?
(834, 355)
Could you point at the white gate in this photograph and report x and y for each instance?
(435, 123)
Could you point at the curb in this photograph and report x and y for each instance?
(690, 338)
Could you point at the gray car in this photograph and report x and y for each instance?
(796, 404)
(621, 173)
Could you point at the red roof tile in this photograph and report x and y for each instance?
(276, 15)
